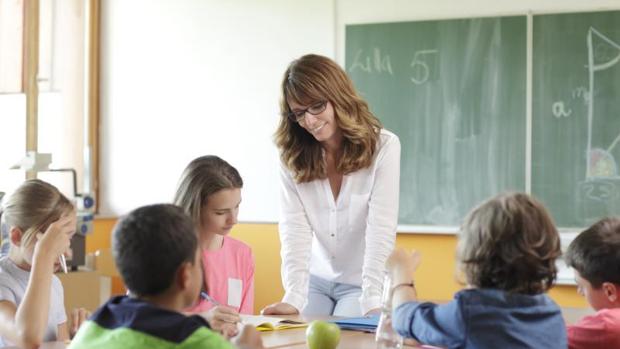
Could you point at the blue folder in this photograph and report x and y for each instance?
(366, 323)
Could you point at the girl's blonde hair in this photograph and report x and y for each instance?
(204, 176)
(311, 79)
(32, 207)
(509, 243)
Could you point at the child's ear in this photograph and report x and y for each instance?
(184, 276)
(15, 234)
(611, 291)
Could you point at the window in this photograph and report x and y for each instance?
(53, 43)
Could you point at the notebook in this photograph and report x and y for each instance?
(268, 323)
(366, 323)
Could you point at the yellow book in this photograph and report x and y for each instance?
(268, 323)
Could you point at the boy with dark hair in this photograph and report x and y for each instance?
(594, 256)
(156, 251)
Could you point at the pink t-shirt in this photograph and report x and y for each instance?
(229, 275)
(601, 330)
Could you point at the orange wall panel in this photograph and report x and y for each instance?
(435, 279)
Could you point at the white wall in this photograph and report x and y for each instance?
(184, 78)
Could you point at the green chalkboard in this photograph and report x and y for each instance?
(576, 115)
(454, 91)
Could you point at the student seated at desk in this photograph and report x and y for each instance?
(209, 191)
(594, 256)
(507, 250)
(156, 251)
(40, 222)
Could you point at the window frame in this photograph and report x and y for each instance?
(30, 65)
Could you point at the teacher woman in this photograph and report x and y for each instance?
(339, 193)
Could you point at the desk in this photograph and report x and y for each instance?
(291, 338)
(296, 337)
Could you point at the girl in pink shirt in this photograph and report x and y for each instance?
(210, 192)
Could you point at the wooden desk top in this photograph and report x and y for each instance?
(296, 337)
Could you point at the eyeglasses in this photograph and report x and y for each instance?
(299, 116)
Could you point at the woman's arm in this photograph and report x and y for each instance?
(296, 240)
(381, 223)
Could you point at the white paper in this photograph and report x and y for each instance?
(235, 287)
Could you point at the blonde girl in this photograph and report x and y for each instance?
(40, 221)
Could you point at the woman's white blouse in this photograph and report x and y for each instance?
(347, 240)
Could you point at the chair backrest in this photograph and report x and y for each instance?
(104, 263)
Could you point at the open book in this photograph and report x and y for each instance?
(268, 323)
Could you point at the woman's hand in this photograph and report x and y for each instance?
(249, 338)
(279, 309)
(78, 317)
(223, 319)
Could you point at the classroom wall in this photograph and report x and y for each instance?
(186, 78)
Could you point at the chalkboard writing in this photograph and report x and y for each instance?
(454, 91)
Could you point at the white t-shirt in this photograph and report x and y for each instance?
(13, 283)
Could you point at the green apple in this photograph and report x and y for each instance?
(322, 335)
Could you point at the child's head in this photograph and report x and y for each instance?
(509, 243)
(595, 257)
(210, 193)
(155, 250)
(29, 210)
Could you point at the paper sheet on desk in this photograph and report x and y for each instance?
(268, 323)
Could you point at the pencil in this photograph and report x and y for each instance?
(63, 263)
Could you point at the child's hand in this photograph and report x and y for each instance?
(249, 338)
(223, 319)
(78, 316)
(57, 238)
(401, 265)
(229, 330)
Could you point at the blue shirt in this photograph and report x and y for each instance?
(484, 318)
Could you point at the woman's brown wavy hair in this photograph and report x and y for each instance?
(314, 78)
(509, 243)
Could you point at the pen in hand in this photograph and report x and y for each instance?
(63, 263)
(204, 295)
